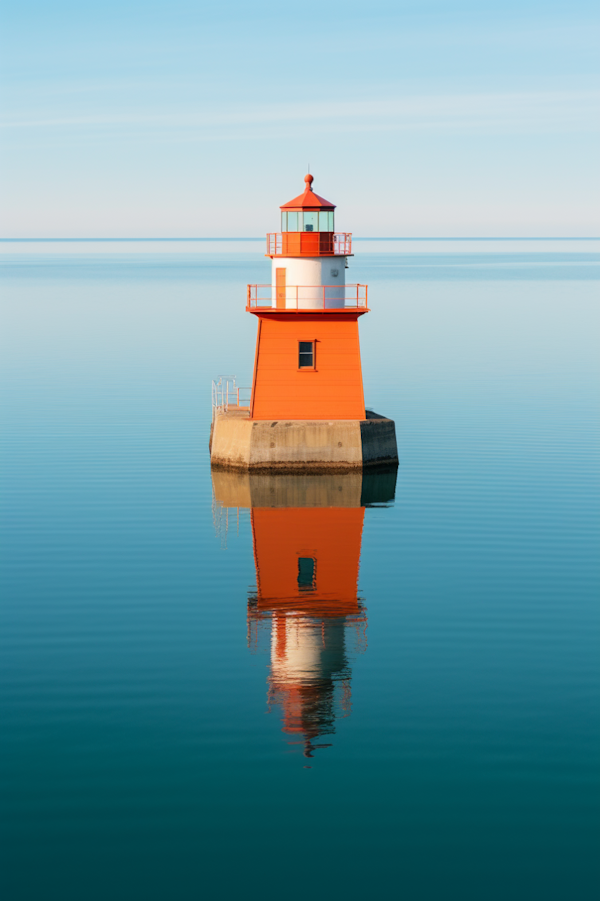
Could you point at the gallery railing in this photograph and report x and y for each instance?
(280, 298)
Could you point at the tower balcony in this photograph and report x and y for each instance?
(309, 244)
(307, 298)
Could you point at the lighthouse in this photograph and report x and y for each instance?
(305, 409)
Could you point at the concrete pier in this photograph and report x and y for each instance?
(291, 446)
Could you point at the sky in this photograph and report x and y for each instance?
(186, 119)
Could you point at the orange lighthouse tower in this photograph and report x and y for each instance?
(306, 408)
(307, 362)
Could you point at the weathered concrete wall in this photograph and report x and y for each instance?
(301, 445)
(378, 439)
(231, 440)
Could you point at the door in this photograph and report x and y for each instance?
(280, 288)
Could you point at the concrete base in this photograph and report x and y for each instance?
(237, 442)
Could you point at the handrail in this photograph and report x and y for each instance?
(226, 395)
(307, 297)
(309, 244)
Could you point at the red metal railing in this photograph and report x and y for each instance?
(307, 297)
(309, 244)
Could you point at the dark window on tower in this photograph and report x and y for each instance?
(306, 354)
(307, 573)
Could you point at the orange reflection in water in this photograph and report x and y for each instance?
(307, 533)
(307, 563)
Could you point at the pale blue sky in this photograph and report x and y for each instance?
(189, 119)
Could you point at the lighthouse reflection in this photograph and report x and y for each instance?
(307, 534)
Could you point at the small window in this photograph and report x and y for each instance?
(306, 354)
(307, 573)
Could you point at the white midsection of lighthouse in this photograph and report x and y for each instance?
(310, 282)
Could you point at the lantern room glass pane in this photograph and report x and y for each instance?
(284, 222)
(325, 221)
(311, 222)
(292, 222)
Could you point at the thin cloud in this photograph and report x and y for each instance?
(443, 111)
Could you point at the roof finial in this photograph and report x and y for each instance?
(309, 180)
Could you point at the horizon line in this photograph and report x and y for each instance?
(356, 238)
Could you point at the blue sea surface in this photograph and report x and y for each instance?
(145, 752)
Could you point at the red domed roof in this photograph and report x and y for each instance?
(309, 200)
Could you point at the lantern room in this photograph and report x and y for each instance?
(308, 228)
(308, 212)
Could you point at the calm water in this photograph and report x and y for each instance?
(174, 726)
